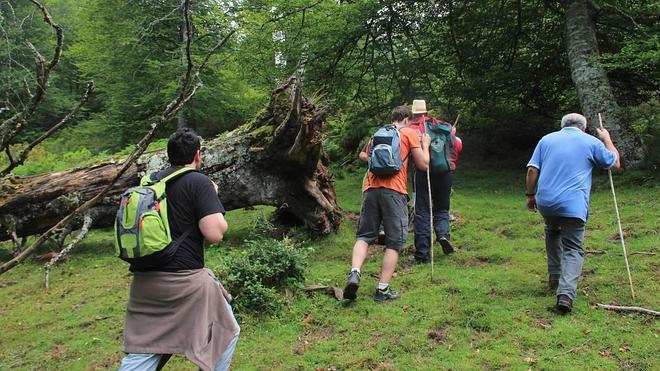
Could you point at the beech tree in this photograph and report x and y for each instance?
(591, 82)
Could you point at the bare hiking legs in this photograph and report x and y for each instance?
(359, 254)
(383, 291)
(353, 282)
(390, 260)
(389, 208)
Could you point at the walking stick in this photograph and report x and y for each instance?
(618, 219)
(428, 182)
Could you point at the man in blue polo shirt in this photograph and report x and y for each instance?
(558, 184)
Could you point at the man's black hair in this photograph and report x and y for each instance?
(182, 146)
(399, 113)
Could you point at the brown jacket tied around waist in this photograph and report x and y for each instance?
(182, 312)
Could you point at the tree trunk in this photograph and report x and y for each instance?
(274, 159)
(181, 119)
(592, 84)
(181, 115)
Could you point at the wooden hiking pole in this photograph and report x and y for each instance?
(618, 219)
(456, 121)
(428, 182)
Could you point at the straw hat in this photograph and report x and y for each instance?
(419, 106)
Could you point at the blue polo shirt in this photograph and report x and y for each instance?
(565, 159)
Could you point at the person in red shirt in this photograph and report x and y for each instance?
(440, 191)
(385, 200)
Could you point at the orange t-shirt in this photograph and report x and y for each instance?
(396, 182)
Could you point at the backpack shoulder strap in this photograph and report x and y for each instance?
(148, 179)
(398, 133)
(184, 170)
(175, 175)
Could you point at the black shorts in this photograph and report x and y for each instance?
(386, 206)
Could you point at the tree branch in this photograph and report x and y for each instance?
(187, 39)
(24, 154)
(153, 23)
(622, 13)
(290, 13)
(26, 86)
(219, 45)
(58, 32)
(13, 126)
(617, 308)
(454, 40)
(83, 231)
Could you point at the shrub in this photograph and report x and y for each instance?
(265, 268)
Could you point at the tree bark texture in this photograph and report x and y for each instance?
(274, 159)
(592, 85)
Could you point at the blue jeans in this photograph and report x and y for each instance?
(563, 245)
(440, 192)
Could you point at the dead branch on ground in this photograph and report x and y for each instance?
(83, 231)
(618, 308)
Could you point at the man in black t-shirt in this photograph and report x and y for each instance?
(190, 199)
(160, 317)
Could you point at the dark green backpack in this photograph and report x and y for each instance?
(142, 230)
(442, 146)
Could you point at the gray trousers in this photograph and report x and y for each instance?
(563, 244)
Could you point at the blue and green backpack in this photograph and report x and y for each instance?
(385, 153)
(142, 230)
(442, 145)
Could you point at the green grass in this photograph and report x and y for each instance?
(487, 307)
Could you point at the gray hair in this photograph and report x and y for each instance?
(574, 119)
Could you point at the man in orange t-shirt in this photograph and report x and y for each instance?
(385, 199)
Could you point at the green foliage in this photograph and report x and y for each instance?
(501, 65)
(629, 41)
(645, 119)
(44, 159)
(343, 138)
(263, 269)
(21, 22)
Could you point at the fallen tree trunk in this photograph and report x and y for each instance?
(274, 159)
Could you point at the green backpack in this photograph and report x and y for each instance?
(142, 230)
(442, 146)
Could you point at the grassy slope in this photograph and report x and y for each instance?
(487, 305)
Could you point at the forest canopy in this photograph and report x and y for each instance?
(503, 65)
